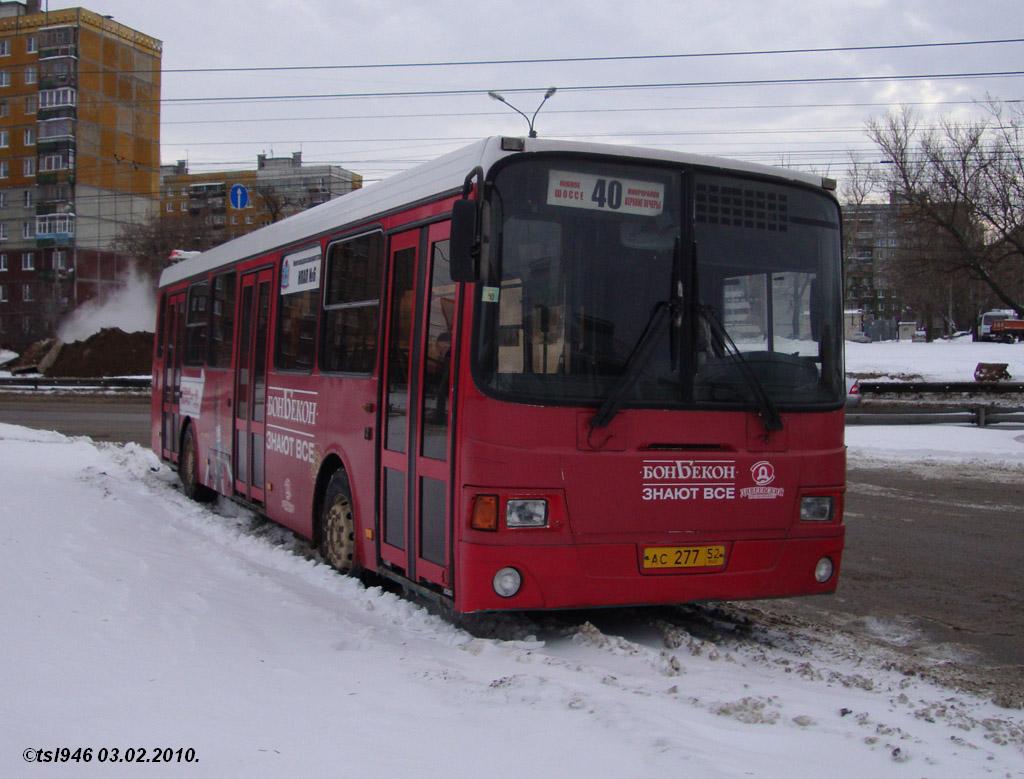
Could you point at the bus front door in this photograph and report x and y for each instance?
(251, 384)
(415, 517)
(174, 342)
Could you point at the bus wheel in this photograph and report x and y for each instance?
(338, 539)
(188, 470)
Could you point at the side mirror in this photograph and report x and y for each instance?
(464, 241)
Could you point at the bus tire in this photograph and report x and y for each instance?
(338, 526)
(188, 470)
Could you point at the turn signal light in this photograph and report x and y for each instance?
(485, 513)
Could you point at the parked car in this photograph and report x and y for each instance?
(852, 392)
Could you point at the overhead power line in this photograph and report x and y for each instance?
(613, 58)
(600, 87)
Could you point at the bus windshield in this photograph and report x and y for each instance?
(583, 253)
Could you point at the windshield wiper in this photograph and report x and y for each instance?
(665, 310)
(638, 357)
(767, 411)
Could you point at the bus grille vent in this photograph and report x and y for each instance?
(732, 206)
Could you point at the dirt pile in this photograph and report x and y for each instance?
(110, 352)
(28, 361)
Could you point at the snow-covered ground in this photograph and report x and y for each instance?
(953, 360)
(938, 448)
(134, 618)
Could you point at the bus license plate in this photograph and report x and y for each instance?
(712, 556)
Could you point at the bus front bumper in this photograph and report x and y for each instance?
(592, 575)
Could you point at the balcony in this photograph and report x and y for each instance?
(55, 229)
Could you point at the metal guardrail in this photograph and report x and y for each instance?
(940, 387)
(926, 403)
(932, 406)
(980, 416)
(43, 382)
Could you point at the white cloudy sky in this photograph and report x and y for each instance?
(799, 124)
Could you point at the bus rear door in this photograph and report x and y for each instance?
(174, 341)
(251, 383)
(415, 514)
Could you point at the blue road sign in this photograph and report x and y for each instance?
(239, 196)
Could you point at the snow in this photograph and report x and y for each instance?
(953, 360)
(6, 356)
(135, 618)
(997, 447)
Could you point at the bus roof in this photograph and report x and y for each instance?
(442, 175)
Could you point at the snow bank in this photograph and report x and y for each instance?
(998, 449)
(135, 618)
(953, 360)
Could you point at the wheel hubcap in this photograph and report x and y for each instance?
(340, 535)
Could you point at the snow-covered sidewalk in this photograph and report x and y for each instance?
(997, 450)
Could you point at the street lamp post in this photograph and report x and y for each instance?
(529, 119)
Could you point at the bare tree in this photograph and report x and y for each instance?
(277, 201)
(150, 243)
(961, 186)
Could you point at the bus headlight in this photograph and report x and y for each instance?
(526, 513)
(507, 582)
(816, 508)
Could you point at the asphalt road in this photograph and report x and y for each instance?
(932, 563)
(120, 417)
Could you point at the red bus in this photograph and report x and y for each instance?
(530, 374)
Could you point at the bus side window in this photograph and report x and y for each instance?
(161, 326)
(297, 311)
(196, 323)
(351, 305)
(222, 320)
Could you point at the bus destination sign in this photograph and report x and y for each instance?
(602, 193)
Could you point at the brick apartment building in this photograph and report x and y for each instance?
(79, 158)
(277, 188)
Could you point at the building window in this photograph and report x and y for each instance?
(30, 74)
(170, 206)
(3, 199)
(5, 78)
(27, 229)
(55, 224)
(5, 47)
(3, 262)
(62, 160)
(28, 198)
(30, 44)
(56, 128)
(4, 139)
(28, 166)
(4, 109)
(53, 98)
(60, 260)
(3, 293)
(248, 220)
(3, 231)
(26, 292)
(184, 206)
(29, 136)
(31, 104)
(28, 259)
